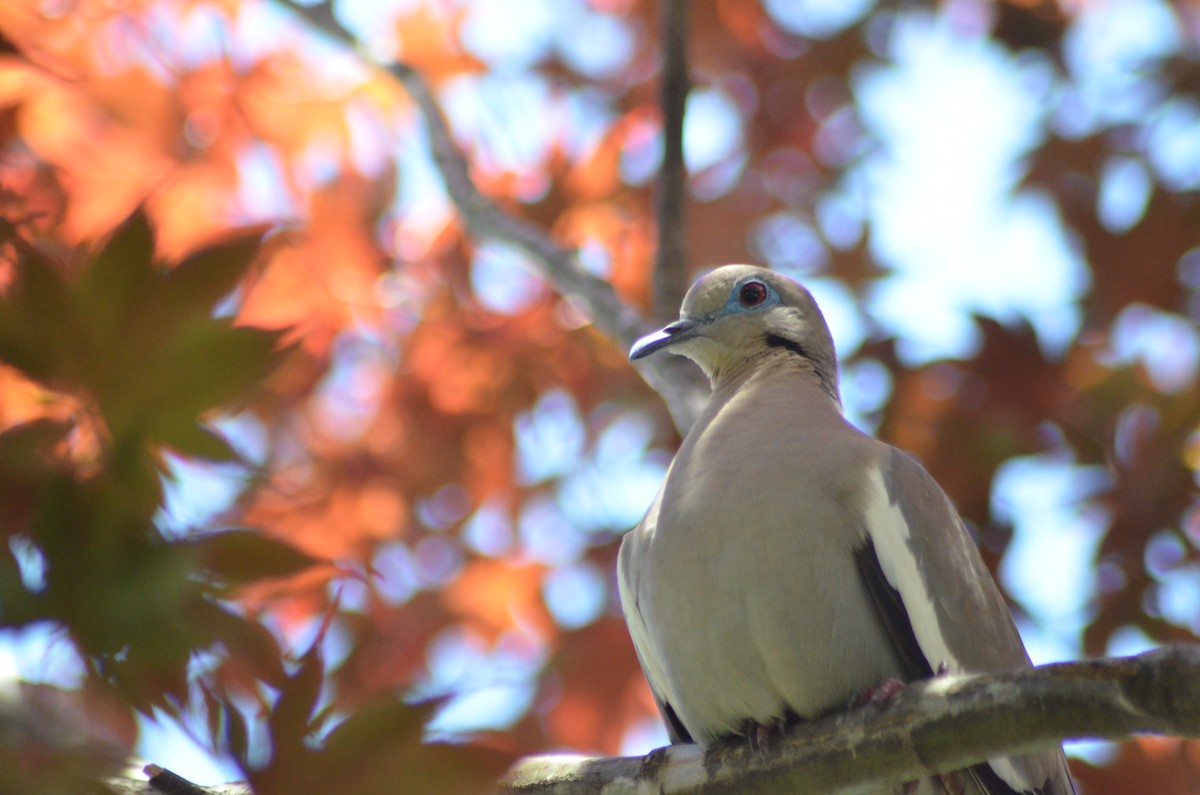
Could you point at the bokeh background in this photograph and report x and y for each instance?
(995, 202)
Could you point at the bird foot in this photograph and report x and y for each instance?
(762, 737)
(880, 695)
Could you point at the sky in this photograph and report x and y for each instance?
(949, 222)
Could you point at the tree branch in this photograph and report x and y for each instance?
(484, 220)
(164, 782)
(945, 724)
(942, 725)
(670, 261)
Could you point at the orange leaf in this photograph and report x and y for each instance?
(496, 596)
(428, 39)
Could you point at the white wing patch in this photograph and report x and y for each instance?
(1003, 767)
(891, 535)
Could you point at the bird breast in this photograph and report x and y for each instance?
(748, 584)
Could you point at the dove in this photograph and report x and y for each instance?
(791, 563)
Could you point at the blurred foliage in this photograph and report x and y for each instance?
(383, 388)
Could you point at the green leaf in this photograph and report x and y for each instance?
(38, 321)
(237, 557)
(213, 711)
(246, 640)
(24, 447)
(200, 282)
(199, 441)
(210, 364)
(379, 748)
(18, 606)
(236, 736)
(382, 722)
(291, 717)
(119, 282)
(203, 367)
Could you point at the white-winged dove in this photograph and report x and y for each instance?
(790, 562)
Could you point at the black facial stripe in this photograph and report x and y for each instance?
(776, 341)
(824, 370)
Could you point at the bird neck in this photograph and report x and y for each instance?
(778, 367)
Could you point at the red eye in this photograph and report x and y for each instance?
(752, 294)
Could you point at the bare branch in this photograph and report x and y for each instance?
(670, 261)
(485, 219)
(684, 393)
(559, 265)
(169, 783)
(942, 725)
(164, 782)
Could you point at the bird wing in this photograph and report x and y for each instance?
(940, 606)
(627, 583)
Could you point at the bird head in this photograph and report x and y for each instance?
(739, 317)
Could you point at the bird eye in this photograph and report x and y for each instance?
(752, 294)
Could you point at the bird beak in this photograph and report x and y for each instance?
(669, 335)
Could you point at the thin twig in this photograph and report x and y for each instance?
(670, 261)
(485, 219)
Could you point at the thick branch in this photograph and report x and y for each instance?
(485, 219)
(670, 261)
(943, 725)
(164, 782)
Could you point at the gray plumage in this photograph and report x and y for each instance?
(790, 561)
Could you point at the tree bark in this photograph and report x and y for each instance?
(680, 384)
(936, 726)
(670, 257)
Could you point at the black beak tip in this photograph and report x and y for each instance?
(647, 345)
(664, 337)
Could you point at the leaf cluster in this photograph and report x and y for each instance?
(141, 353)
